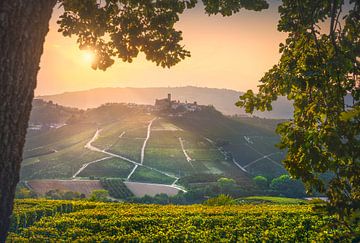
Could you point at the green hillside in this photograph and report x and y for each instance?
(54, 221)
(249, 141)
(137, 143)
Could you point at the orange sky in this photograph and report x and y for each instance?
(232, 52)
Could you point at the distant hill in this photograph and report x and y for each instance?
(223, 99)
(44, 112)
(140, 144)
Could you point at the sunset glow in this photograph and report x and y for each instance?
(88, 56)
(226, 52)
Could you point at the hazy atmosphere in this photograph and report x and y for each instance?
(232, 52)
(250, 134)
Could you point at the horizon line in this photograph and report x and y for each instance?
(155, 87)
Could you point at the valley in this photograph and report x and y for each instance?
(139, 144)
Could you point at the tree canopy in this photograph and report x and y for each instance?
(124, 28)
(318, 70)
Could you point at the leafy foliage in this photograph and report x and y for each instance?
(220, 200)
(317, 69)
(122, 28)
(287, 186)
(63, 195)
(261, 182)
(272, 200)
(29, 211)
(99, 195)
(196, 223)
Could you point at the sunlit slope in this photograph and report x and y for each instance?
(132, 143)
(250, 142)
(66, 152)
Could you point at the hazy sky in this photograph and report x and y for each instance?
(227, 52)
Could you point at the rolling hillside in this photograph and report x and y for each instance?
(137, 144)
(222, 99)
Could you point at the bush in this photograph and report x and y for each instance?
(288, 187)
(261, 182)
(99, 195)
(220, 200)
(62, 195)
(25, 193)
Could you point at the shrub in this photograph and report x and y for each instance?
(220, 200)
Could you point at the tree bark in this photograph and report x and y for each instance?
(23, 27)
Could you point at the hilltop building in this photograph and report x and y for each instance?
(163, 104)
(172, 105)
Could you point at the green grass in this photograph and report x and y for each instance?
(128, 147)
(110, 168)
(164, 152)
(271, 200)
(62, 137)
(143, 174)
(211, 124)
(267, 168)
(134, 126)
(61, 164)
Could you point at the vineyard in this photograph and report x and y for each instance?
(109, 222)
(116, 188)
(105, 143)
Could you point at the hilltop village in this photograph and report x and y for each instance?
(48, 115)
(175, 106)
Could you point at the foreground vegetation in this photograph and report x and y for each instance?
(96, 221)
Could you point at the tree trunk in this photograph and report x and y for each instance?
(23, 27)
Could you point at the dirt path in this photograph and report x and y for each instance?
(238, 165)
(87, 164)
(132, 172)
(243, 168)
(111, 155)
(267, 156)
(185, 153)
(148, 133)
(89, 144)
(146, 139)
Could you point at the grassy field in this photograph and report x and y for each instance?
(143, 174)
(112, 168)
(109, 222)
(129, 147)
(244, 139)
(60, 164)
(271, 200)
(164, 152)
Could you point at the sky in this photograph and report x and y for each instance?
(226, 52)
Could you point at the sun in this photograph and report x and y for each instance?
(88, 56)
